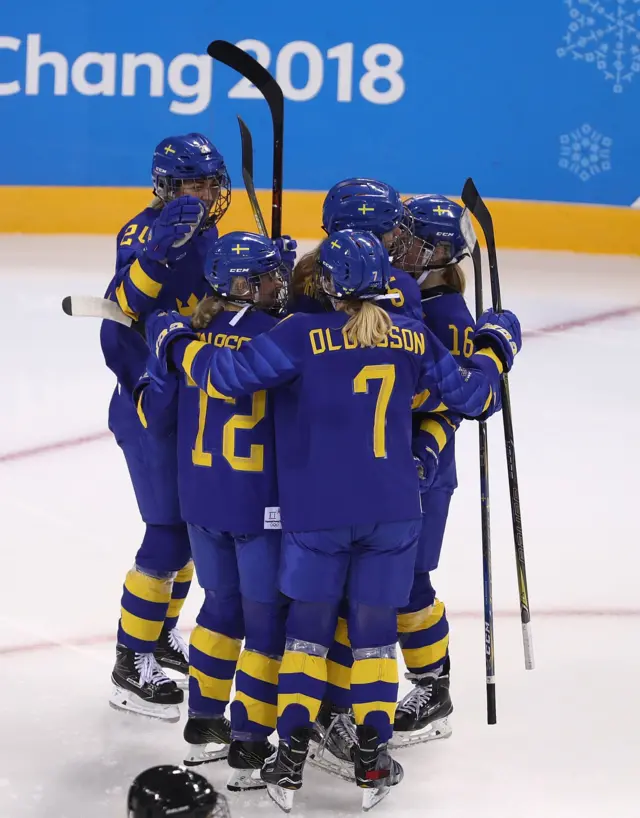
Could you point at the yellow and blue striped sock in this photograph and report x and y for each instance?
(212, 659)
(424, 638)
(301, 686)
(254, 710)
(143, 609)
(181, 585)
(374, 688)
(339, 663)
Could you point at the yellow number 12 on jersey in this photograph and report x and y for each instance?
(387, 374)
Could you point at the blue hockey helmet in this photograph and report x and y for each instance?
(436, 220)
(354, 264)
(368, 204)
(191, 165)
(362, 204)
(246, 268)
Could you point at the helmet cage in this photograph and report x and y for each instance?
(170, 187)
(245, 289)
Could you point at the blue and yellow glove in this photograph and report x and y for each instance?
(427, 466)
(500, 331)
(177, 223)
(162, 328)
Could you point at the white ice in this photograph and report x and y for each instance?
(568, 739)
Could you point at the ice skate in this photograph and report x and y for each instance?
(142, 687)
(333, 742)
(423, 713)
(201, 732)
(375, 771)
(172, 653)
(282, 771)
(246, 759)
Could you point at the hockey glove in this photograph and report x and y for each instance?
(287, 247)
(162, 329)
(500, 331)
(178, 222)
(427, 466)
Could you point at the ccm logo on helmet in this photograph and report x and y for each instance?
(239, 270)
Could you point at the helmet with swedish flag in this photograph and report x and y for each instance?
(368, 204)
(247, 269)
(354, 265)
(190, 165)
(436, 220)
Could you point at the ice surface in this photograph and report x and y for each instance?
(69, 530)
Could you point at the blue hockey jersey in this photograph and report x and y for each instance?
(226, 446)
(342, 412)
(139, 291)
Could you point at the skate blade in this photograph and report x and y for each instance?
(281, 797)
(432, 732)
(371, 797)
(200, 754)
(242, 780)
(330, 764)
(127, 702)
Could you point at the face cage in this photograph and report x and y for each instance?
(409, 241)
(246, 290)
(169, 188)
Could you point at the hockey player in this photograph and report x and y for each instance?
(345, 382)
(371, 205)
(228, 497)
(422, 624)
(165, 791)
(160, 264)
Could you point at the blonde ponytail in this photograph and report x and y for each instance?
(368, 324)
(205, 311)
(454, 277)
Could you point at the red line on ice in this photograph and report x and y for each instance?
(103, 638)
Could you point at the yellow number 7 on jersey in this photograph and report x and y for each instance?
(387, 374)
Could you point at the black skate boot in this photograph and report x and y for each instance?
(376, 772)
(199, 732)
(333, 741)
(423, 713)
(172, 653)
(282, 771)
(246, 759)
(142, 687)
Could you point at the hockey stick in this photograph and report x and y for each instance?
(487, 580)
(250, 68)
(93, 306)
(471, 199)
(247, 175)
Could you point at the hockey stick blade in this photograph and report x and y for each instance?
(247, 175)
(91, 306)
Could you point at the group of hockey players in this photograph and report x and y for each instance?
(289, 433)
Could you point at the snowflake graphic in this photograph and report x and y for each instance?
(585, 152)
(607, 34)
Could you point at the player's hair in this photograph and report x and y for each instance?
(156, 203)
(304, 276)
(206, 310)
(368, 323)
(454, 277)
